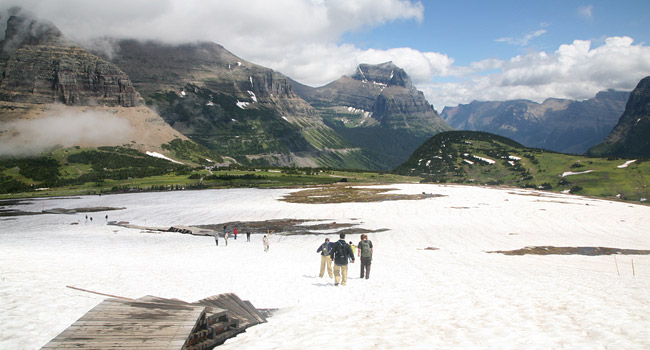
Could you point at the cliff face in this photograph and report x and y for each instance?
(38, 65)
(556, 124)
(630, 138)
(385, 73)
(70, 75)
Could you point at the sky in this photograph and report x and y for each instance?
(454, 51)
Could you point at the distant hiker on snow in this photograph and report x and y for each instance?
(365, 251)
(216, 237)
(340, 254)
(325, 259)
(235, 233)
(248, 236)
(225, 237)
(354, 248)
(265, 242)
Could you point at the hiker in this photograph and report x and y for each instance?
(265, 242)
(354, 248)
(225, 237)
(235, 233)
(340, 254)
(216, 237)
(365, 252)
(325, 259)
(248, 236)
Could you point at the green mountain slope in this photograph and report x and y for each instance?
(234, 107)
(488, 159)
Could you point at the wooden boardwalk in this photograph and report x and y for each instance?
(158, 323)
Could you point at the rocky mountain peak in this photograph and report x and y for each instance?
(385, 73)
(24, 29)
(38, 65)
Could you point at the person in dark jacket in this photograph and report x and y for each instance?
(325, 259)
(341, 252)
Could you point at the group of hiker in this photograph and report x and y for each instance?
(341, 252)
(226, 234)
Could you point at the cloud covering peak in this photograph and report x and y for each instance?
(63, 128)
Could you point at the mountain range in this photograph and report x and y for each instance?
(259, 116)
(199, 103)
(560, 125)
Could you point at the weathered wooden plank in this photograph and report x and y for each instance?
(117, 344)
(157, 323)
(98, 332)
(124, 324)
(110, 347)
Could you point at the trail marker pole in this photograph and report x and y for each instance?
(615, 262)
(633, 274)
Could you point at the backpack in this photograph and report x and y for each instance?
(340, 250)
(365, 249)
(325, 248)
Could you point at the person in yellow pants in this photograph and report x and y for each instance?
(325, 259)
(341, 253)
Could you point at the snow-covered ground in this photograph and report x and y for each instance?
(456, 297)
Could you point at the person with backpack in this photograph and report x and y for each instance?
(325, 259)
(340, 254)
(365, 251)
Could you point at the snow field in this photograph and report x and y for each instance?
(456, 297)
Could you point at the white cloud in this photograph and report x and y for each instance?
(296, 37)
(62, 127)
(238, 25)
(575, 71)
(524, 40)
(586, 12)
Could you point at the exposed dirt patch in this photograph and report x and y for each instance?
(590, 251)
(350, 194)
(290, 227)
